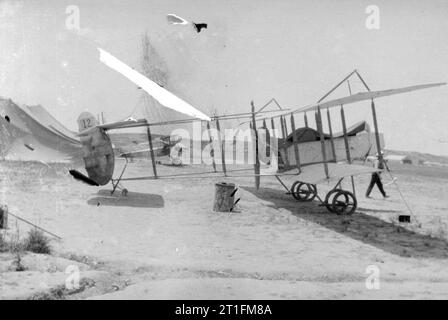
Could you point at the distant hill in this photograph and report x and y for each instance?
(420, 158)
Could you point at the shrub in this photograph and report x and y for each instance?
(37, 242)
(18, 266)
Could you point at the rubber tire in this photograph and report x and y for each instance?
(309, 196)
(293, 187)
(327, 203)
(314, 187)
(347, 195)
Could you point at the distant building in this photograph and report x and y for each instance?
(398, 158)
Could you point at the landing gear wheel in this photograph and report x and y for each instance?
(124, 192)
(329, 199)
(344, 203)
(303, 191)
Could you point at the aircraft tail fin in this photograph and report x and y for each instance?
(86, 120)
(98, 154)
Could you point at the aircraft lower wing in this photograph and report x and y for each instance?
(315, 173)
(126, 124)
(122, 124)
(140, 152)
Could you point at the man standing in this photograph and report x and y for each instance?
(376, 177)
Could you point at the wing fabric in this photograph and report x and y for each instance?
(315, 173)
(163, 96)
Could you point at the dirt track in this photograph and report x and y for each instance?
(165, 242)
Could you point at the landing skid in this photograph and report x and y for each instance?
(117, 186)
(116, 182)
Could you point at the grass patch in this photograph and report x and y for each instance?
(12, 246)
(37, 242)
(62, 293)
(3, 244)
(16, 247)
(17, 263)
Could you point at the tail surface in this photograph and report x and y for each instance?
(98, 154)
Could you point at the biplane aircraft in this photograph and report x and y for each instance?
(162, 146)
(308, 155)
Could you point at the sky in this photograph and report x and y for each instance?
(293, 50)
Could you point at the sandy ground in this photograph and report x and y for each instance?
(163, 241)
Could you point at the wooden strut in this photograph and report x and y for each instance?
(221, 144)
(337, 86)
(322, 140)
(377, 134)
(257, 160)
(273, 136)
(282, 127)
(283, 184)
(296, 146)
(272, 126)
(344, 130)
(212, 151)
(347, 147)
(234, 142)
(115, 185)
(268, 103)
(151, 151)
(284, 136)
(333, 149)
(266, 142)
(362, 80)
(286, 127)
(191, 151)
(305, 118)
(349, 87)
(380, 156)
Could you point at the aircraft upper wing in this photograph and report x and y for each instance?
(315, 173)
(361, 96)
